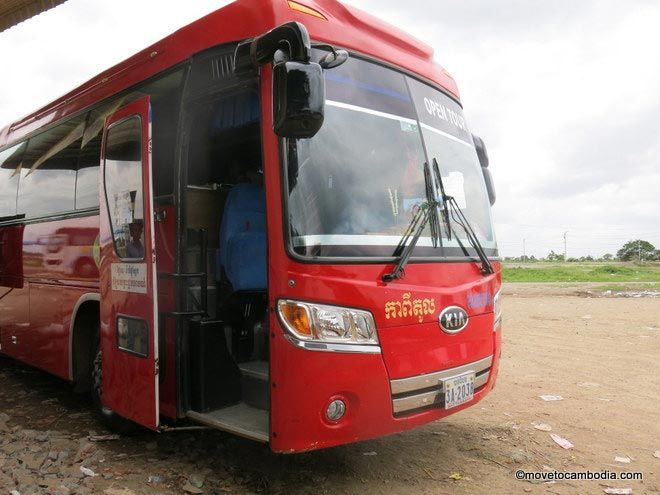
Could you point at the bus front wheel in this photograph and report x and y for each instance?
(110, 418)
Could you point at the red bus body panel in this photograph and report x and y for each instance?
(302, 381)
(46, 269)
(60, 268)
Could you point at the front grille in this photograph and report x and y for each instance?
(426, 391)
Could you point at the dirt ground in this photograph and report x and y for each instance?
(601, 354)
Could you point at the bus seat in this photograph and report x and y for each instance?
(242, 248)
(246, 266)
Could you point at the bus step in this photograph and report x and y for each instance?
(255, 383)
(240, 419)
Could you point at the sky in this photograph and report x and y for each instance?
(565, 94)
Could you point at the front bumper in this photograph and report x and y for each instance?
(299, 401)
(426, 391)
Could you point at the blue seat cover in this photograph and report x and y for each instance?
(242, 248)
(235, 112)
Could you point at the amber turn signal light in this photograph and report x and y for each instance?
(304, 9)
(297, 317)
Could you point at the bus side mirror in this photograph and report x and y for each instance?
(480, 146)
(298, 99)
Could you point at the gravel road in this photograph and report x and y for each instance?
(600, 354)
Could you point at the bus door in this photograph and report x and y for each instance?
(129, 323)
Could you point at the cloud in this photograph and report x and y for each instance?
(564, 93)
(60, 49)
(590, 157)
(565, 96)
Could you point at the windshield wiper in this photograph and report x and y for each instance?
(414, 231)
(433, 214)
(427, 213)
(460, 219)
(409, 240)
(440, 185)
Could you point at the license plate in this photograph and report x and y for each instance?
(458, 389)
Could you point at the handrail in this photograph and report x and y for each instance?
(202, 275)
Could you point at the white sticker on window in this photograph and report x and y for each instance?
(129, 277)
(455, 186)
(408, 127)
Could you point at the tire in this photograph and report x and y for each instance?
(110, 419)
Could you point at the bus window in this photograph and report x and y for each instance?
(87, 179)
(226, 145)
(48, 175)
(9, 162)
(123, 187)
(165, 95)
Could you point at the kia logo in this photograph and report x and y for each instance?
(453, 319)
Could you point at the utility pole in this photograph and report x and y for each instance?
(639, 249)
(565, 258)
(524, 257)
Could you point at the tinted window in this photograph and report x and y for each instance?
(164, 94)
(123, 187)
(87, 185)
(48, 175)
(9, 161)
(225, 145)
(355, 188)
(133, 335)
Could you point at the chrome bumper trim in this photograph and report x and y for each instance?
(433, 398)
(423, 391)
(420, 382)
(333, 347)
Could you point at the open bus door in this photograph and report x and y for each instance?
(129, 323)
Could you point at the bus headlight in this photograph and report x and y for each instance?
(497, 309)
(324, 323)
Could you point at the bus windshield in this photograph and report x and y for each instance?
(353, 188)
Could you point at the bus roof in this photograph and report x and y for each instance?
(338, 24)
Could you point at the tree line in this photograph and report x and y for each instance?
(636, 250)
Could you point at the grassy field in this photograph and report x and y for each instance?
(582, 272)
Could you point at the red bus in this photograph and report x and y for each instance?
(273, 222)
